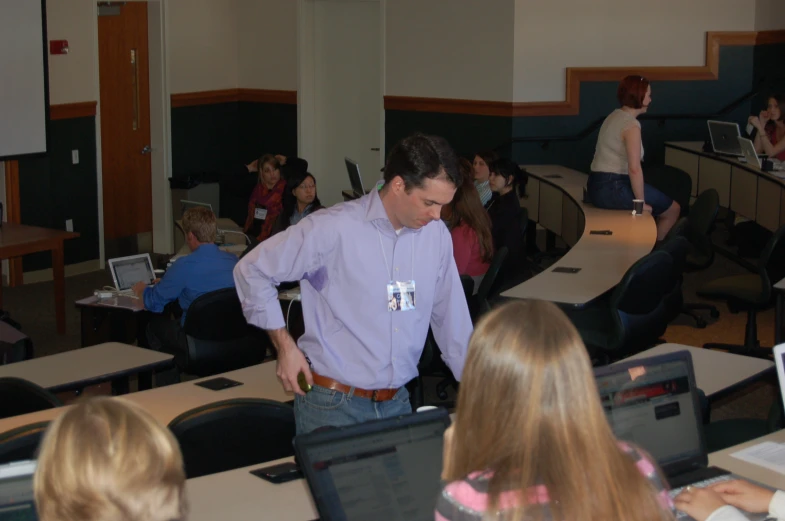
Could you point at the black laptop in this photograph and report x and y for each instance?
(385, 469)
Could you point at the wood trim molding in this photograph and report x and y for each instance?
(212, 97)
(85, 109)
(577, 75)
(13, 215)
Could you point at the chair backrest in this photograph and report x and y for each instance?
(677, 247)
(21, 443)
(467, 282)
(232, 434)
(218, 337)
(484, 291)
(18, 396)
(770, 265)
(700, 223)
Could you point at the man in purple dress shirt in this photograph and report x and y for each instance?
(375, 273)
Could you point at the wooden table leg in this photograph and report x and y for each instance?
(58, 271)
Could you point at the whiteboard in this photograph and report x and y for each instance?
(23, 78)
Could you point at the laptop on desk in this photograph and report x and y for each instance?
(354, 177)
(653, 403)
(127, 271)
(16, 491)
(385, 469)
(724, 138)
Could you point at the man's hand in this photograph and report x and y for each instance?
(744, 495)
(138, 289)
(699, 503)
(291, 361)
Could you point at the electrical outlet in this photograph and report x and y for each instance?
(69, 225)
(75, 157)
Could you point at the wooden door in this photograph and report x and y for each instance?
(125, 119)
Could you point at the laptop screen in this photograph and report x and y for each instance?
(354, 176)
(383, 470)
(723, 135)
(130, 270)
(16, 492)
(651, 404)
(187, 205)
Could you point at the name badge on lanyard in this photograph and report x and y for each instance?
(260, 213)
(400, 296)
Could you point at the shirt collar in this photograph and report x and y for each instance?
(377, 214)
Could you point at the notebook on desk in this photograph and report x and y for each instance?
(16, 491)
(386, 469)
(653, 403)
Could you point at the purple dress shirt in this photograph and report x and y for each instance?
(350, 335)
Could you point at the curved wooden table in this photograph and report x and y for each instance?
(555, 201)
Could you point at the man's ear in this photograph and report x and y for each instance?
(397, 185)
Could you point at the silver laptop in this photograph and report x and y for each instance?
(16, 491)
(748, 149)
(354, 177)
(127, 271)
(779, 361)
(187, 205)
(724, 136)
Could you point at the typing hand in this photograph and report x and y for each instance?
(744, 495)
(699, 503)
(138, 289)
(291, 362)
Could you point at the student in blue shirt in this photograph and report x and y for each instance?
(206, 269)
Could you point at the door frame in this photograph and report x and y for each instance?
(306, 76)
(160, 127)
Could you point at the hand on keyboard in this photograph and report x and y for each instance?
(744, 495)
(677, 493)
(699, 503)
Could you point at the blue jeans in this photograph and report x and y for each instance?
(321, 407)
(614, 192)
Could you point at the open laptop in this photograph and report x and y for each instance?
(186, 205)
(386, 469)
(779, 361)
(354, 177)
(16, 491)
(724, 136)
(653, 403)
(748, 149)
(127, 271)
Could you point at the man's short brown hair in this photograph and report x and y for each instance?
(201, 222)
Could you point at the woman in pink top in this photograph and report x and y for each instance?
(530, 439)
(770, 139)
(470, 227)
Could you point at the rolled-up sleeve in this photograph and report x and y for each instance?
(450, 319)
(287, 256)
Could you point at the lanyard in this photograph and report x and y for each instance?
(384, 255)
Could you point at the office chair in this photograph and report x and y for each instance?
(21, 443)
(218, 337)
(231, 434)
(479, 303)
(18, 396)
(676, 246)
(727, 433)
(634, 316)
(749, 292)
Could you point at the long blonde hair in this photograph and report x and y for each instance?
(529, 413)
(106, 459)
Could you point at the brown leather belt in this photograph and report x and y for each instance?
(379, 395)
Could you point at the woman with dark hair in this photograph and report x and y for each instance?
(266, 202)
(508, 183)
(616, 177)
(770, 139)
(299, 200)
(470, 228)
(482, 163)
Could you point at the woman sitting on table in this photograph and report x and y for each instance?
(266, 200)
(481, 167)
(770, 139)
(470, 228)
(107, 459)
(721, 501)
(616, 177)
(299, 201)
(530, 439)
(508, 183)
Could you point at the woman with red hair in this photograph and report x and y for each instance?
(616, 174)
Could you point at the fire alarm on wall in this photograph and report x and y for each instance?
(58, 47)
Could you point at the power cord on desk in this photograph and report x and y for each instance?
(111, 291)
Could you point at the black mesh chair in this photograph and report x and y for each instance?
(677, 247)
(232, 434)
(18, 396)
(218, 337)
(21, 443)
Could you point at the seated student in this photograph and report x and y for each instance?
(299, 200)
(530, 439)
(289, 166)
(470, 228)
(770, 139)
(107, 459)
(482, 163)
(206, 269)
(616, 177)
(721, 501)
(508, 183)
(266, 201)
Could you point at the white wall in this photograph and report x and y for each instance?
(552, 35)
(450, 49)
(267, 44)
(72, 75)
(770, 15)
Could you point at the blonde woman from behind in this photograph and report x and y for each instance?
(106, 459)
(530, 440)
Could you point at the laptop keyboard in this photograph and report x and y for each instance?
(700, 484)
(126, 293)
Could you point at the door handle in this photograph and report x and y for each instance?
(375, 149)
(146, 150)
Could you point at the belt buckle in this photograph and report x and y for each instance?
(374, 396)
